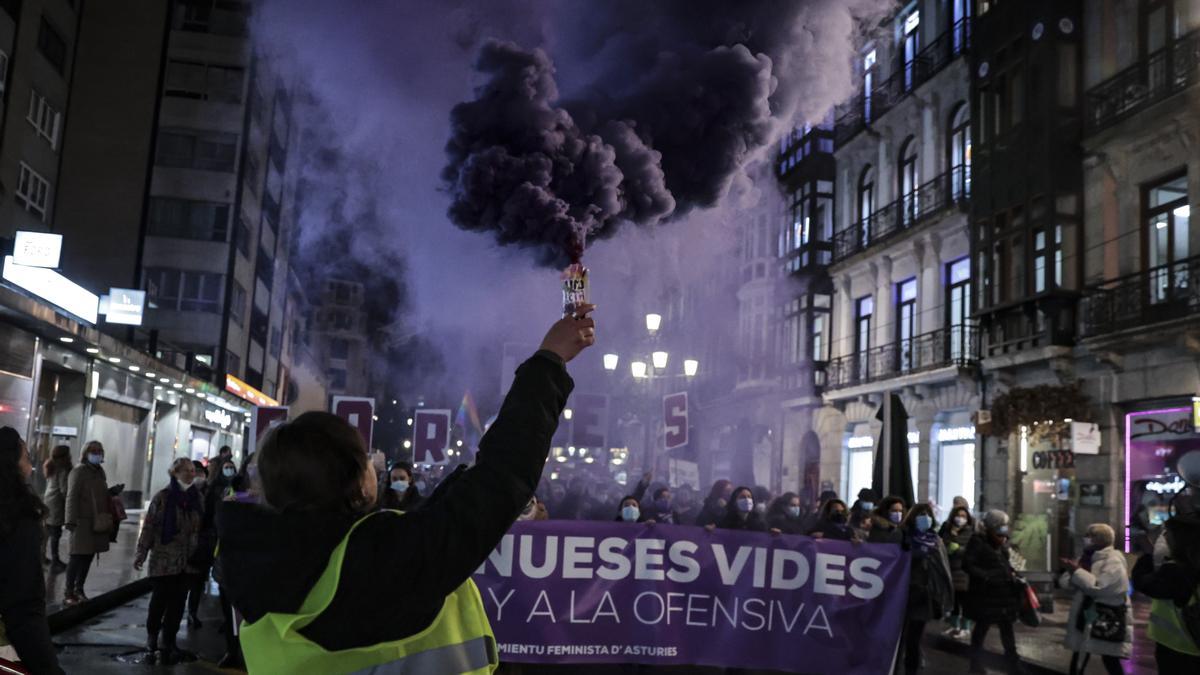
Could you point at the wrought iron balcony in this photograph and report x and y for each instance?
(942, 348)
(1152, 79)
(1143, 299)
(930, 199)
(811, 257)
(863, 110)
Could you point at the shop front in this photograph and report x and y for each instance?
(858, 458)
(953, 453)
(1156, 438)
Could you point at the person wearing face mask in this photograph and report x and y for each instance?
(1101, 620)
(630, 511)
(1174, 588)
(994, 595)
(715, 504)
(88, 518)
(219, 487)
(956, 533)
(786, 515)
(886, 520)
(22, 586)
(833, 522)
(401, 492)
(930, 588)
(740, 513)
(170, 537)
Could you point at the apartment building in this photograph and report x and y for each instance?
(177, 178)
(900, 283)
(339, 335)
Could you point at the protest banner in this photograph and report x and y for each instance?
(431, 436)
(359, 412)
(589, 592)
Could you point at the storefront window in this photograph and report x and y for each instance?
(1155, 441)
(956, 466)
(860, 452)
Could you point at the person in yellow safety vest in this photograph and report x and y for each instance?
(1175, 590)
(325, 586)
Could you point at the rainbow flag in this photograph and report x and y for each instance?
(468, 414)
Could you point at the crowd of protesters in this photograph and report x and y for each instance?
(433, 528)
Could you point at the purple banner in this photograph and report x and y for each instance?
(591, 592)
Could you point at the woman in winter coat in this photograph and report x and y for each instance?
(400, 493)
(930, 589)
(956, 533)
(740, 513)
(170, 537)
(57, 470)
(885, 522)
(22, 587)
(993, 597)
(715, 504)
(88, 518)
(786, 514)
(1100, 579)
(630, 511)
(831, 523)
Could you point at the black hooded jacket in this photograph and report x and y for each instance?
(398, 569)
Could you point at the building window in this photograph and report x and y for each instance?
(864, 307)
(184, 290)
(33, 191)
(1167, 213)
(906, 322)
(866, 203)
(960, 152)
(958, 305)
(44, 118)
(204, 82)
(188, 219)
(909, 180)
(237, 304)
(233, 364)
(3, 73)
(218, 17)
(339, 348)
(52, 46)
(194, 149)
(337, 379)
(819, 331)
(243, 238)
(960, 16)
(912, 46)
(868, 83)
(276, 344)
(252, 170)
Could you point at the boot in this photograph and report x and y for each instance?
(151, 649)
(170, 653)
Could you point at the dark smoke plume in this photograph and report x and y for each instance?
(679, 96)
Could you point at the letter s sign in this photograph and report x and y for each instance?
(675, 420)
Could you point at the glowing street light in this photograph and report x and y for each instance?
(567, 412)
(653, 321)
(407, 444)
(610, 362)
(690, 366)
(638, 369)
(659, 359)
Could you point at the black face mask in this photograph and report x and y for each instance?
(839, 518)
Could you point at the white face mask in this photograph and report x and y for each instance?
(95, 458)
(959, 521)
(186, 485)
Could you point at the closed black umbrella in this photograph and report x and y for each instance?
(892, 473)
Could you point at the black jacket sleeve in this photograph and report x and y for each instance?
(23, 598)
(1169, 582)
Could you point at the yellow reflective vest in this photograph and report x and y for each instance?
(1166, 627)
(459, 640)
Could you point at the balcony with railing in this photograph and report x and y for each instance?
(932, 198)
(1156, 77)
(866, 109)
(953, 346)
(1143, 299)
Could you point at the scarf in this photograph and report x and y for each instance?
(924, 543)
(1085, 560)
(177, 499)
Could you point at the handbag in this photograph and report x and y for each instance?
(1029, 606)
(1109, 624)
(102, 523)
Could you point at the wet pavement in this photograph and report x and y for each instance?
(111, 570)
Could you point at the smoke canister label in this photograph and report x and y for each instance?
(574, 287)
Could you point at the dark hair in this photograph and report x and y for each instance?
(316, 462)
(200, 467)
(224, 449)
(60, 458)
(621, 504)
(1185, 533)
(827, 507)
(965, 511)
(659, 492)
(405, 466)
(919, 509)
(17, 499)
(718, 490)
(886, 505)
(731, 509)
(779, 505)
